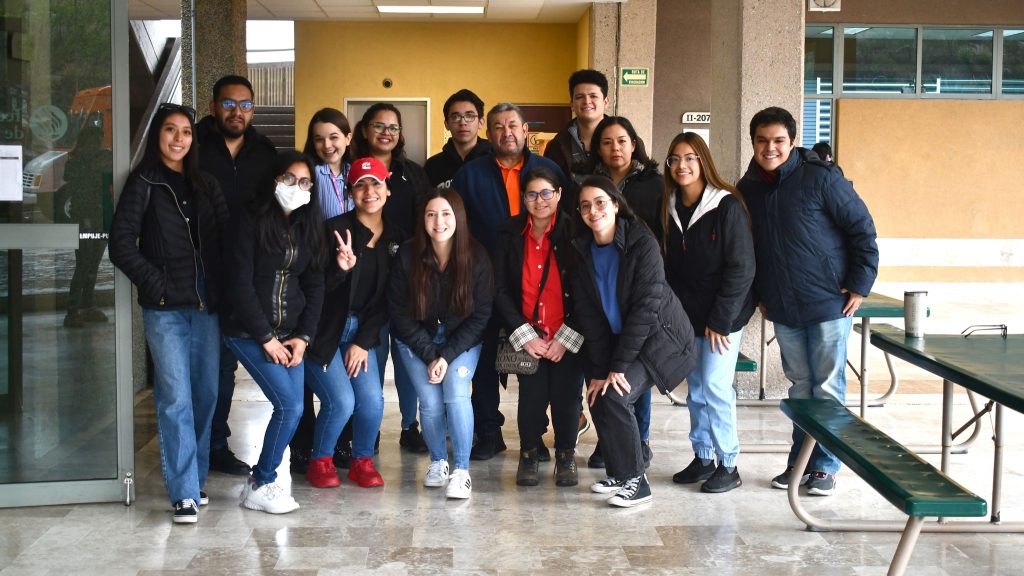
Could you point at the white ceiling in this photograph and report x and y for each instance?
(564, 11)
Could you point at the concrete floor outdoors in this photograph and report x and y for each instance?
(404, 528)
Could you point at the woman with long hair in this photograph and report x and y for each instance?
(618, 152)
(342, 354)
(378, 134)
(532, 267)
(165, 237)
(327, 139)
(709, 262)
(440, 295)
(277, 290)
(637, 334)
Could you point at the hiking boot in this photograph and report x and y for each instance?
(322, 474)
(186, 511)
(224, 460)
(487, 447)
(412, 441)
(437, 474)
(460, 485)
(527, 473)
(364, 473)
(596, 459)
(695, 471)
(565, 468)
(607, 486)
(782, 480)
(633, 492)
(821, 484)
(722, 480)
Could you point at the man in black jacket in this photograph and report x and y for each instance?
(463, 117)
(237, 156)
(588, 98)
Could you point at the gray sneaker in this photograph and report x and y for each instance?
(782, 480)
(821, 484)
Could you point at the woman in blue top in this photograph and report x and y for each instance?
(327, 140)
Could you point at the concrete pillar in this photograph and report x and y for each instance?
(623, 36)
(757, 57)
(219, 47)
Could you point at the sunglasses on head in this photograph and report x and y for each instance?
(172, 107)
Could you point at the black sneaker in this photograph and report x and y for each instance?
(821, 484)
(412, 440)
(695, 472)
(583, 427)
(342, 455)
(648, 454)
(782, 480)
(596, 459)
(224, 460)
(607, 486)
(543, 454)
(186, 511)
(634, 491)
(487, 447)
(203, 498)
(722, 480)
(298, 461)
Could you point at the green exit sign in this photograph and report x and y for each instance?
(634, 76)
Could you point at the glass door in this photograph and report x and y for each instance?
(65, 395)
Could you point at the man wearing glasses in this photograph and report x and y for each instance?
(490, 189)
(463, 117)
(237, 156)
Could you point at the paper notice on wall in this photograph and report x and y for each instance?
(704, 133)
(10, 174)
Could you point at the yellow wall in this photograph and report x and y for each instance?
(936, 169)
(583, 41)
(519, 63)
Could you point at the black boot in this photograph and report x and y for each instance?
(527, 473)
(565, 468)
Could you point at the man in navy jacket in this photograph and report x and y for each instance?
(814, 244)
(490, 189)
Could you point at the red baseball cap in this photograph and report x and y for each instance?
(367, 168)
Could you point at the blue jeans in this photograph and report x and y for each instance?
(445, 405)
(814, 360)
(712, 402)
(360, 398)
(220, 431)
(406, 391)
(283, 387)
(642, 409)
(184, 345)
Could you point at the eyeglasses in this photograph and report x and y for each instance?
(673, 161)
(546, 194)
(228, 105)
(380, 128)
(172, 107)
(599, 204)
(289, 179)
(468, 117)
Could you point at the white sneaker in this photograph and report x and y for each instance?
(269, 498)
(437, 474)
(460, 485)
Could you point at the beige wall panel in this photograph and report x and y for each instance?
(935, 168)
(955, 12)
(684, 68)
(519, 63)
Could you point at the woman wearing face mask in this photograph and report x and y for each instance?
(709, 262)
(379, 134)
(439, 296)
(532, 267)
(617, 152)
(327, 140)
(165, 238)
(637, 334)
(355, 308)
(277, 289)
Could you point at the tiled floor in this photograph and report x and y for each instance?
(404, 528)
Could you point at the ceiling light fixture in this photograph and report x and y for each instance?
(430, 9)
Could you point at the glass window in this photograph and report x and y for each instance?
(956, 61)
(819, 49)
(1013, 62)
(817, 125)
(879, 60)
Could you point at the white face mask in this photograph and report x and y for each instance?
(291, 198)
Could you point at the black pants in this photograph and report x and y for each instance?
(616, 424)
(487, 419)
(560, 385)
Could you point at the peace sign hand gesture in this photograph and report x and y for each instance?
(346, 257)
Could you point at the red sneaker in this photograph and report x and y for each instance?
(321, 473)
(362, 472)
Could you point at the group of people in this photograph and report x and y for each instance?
(311, 268)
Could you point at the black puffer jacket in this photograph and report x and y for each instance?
(275, 294)
(508, 270)
(642, 188)
(151, 244)
(711, 265)
(461, 332)
(237, 176)
(655, 329)
(408, 185)
(339, 292)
